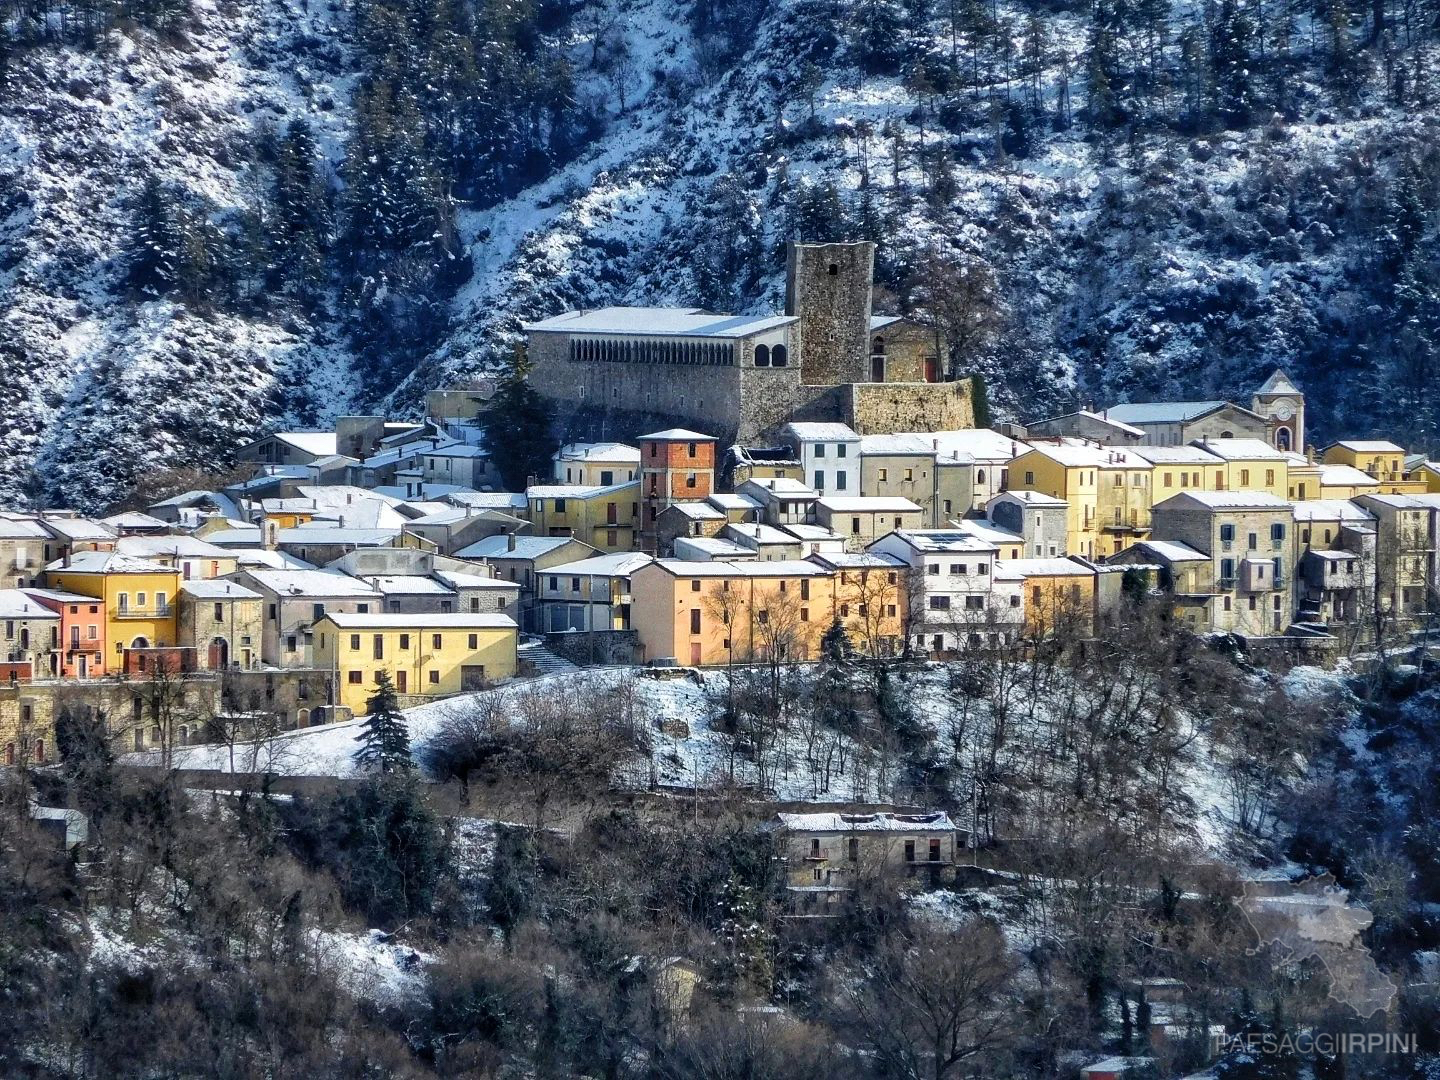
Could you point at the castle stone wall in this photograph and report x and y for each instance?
(881, 408)
(828, 286)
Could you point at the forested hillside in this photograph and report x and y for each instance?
(216, 216)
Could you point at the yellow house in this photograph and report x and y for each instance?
(425, 655)
(1123, 497)
(139, 604)
(1305, 478)
(1345, 482)
(606, 518)
(1427, 473)
(1178, 468)
(1382, 460)
(1069, 471)
(1058, 594)
(1247, 465)
(602, 464)
(712, 613)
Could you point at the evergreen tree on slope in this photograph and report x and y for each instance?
(384, 737)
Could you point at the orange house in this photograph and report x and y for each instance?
(676, 465)
(713, 613)
(1058, 593)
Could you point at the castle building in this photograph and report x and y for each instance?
(616, 370)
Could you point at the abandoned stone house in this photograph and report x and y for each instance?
(617, 371)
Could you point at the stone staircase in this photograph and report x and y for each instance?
(544, 662)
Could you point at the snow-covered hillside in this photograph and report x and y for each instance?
(1156, 244)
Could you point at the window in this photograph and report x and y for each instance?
(819, 449)
(840, 449)
(958, 568)
(819, 481)
(934, 849)
(434, 676)
(1227, 534)
(777, 356)
(292, 643)
(1277, 532)
(694, 620)
(1029, 479)
(762, 355)
(804, 588)
(378, 647)
(1244, 477)
(473, 641)
(974, 603)
(1269, 477)
(691, 449)
(882, 475)
(979, 476)
(909, 850)
(839, 481)
(1227, 569)
(932, 568)
(804, 617)
(435, 641)
(939, 603)
(854, 526)
(695, 585)
(353, 678)
(762, 617)
(355, 642)
(1252, 541)
(559, 506)
(404, 641)
(909, 475)
(219, 612)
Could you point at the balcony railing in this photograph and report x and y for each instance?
(161, 611)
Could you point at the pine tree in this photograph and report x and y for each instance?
(301, 224)
(517, 426)
(152, 249)
(1231, 41)
(384, 737)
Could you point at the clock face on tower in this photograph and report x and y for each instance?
(1283, 410)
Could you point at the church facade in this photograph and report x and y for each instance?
(617, 370)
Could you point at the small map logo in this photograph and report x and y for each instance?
(1314, 919)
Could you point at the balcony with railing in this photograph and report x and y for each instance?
(149, 611)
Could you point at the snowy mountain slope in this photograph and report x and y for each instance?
(1167, 256)
(99, 385)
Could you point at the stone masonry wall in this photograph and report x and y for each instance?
(881, 408)
(829, 287)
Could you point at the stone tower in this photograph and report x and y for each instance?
(828, 286)
(1282, 405)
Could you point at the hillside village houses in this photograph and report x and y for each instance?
(758, 480)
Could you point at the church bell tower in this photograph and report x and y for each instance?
(1282, 405)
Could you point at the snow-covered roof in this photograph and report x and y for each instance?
(473, 581)
(408, 585)
(879, 322)
(697, 511)
(488, 500)
(218, 589)
(78, 528)
(811, 532)
(712, 547)
(174, 546)
(909, 444)
(760, 533)
(658, 321)
(868, 504)
(857, 560)
(329, 583)
(107, 562)
(423, 621)
(1162, 412)
(318, 443)
(1030, 498)
(319, 534)
(782, 486)
(676, 434)
(982, 444)
(15, 604)
(19, 527)
(599, 452)
(988, 531)
(941, 540)
(1240, 449)
(616, 564)
(1229, 500)
(1278, 383)
(1369, 446)
(1172, 551)
(134, 519)
(1056, 567)
(526, 547)
(938, 821)
(1174, 455)
(727, 500)
(1086, 455)
(1346, 476)
(1099, 418)
(1330, 510)
(275, 560)
(778, 568)
(817, 431)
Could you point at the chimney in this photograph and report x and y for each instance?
(510, 541)
(269, 534)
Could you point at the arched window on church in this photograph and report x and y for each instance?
(1282, 439)
(1227, 434)
(778, 357)
(762, 355)
(878, 346)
